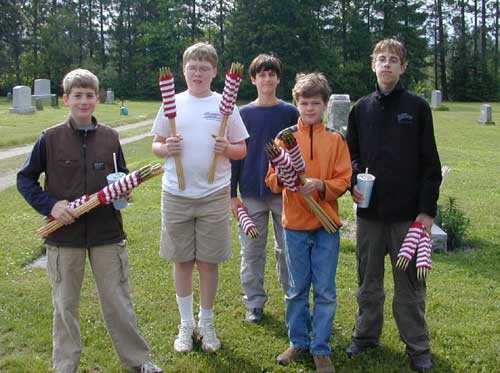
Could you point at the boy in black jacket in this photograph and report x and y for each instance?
(390, 132)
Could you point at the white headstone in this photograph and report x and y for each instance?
(42, 87)
(21, 100)
(439, 239)
(485, 114)
(436, 99)
(110, 97)
(338, 112)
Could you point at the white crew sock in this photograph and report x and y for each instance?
(205, 316)
(185, 305)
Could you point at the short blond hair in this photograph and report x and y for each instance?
(392, 46)
(80, 78)
(200, 52)
(310, 85)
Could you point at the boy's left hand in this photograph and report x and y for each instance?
(311, 185)
(220, 144)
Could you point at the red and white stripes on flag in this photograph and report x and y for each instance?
(285, 171)
(113, 191)
(296, 158)
(74, 204)
(167, 89)
(231, 87)
(418, 241)
(246, 223)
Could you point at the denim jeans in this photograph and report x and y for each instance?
(312, 258)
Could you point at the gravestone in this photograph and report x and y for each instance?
(436, 99)
(110, 97)
(21, 100)
(485, 114)
(38, 104)
(102, 95)
(9, 96)
(54, 102)
(338, 112)
(42, 90)
(439, 239)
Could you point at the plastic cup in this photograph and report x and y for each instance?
(119, 203)
(365, 186)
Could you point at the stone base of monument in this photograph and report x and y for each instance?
(46, 99)
(439, 239)
(22, 110)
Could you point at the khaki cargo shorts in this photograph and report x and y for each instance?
(196, 228)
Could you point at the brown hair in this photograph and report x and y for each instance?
(80, 78)
(310, 85)
(265, 62)
(201, 52)
(392, 46)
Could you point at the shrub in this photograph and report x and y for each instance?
(454, 222)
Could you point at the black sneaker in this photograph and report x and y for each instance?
(421, 363)
(255, 315)
(354, 349)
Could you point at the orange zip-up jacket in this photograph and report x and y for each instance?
(327, 158)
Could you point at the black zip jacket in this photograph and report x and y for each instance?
(75, 162)
(393, 136)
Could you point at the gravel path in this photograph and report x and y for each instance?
(9, 178)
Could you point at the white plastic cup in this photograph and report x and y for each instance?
(365, 186)
(122, 202)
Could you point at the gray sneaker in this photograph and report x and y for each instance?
(148, 367)
(255, 315)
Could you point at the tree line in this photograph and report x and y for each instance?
(452, 44)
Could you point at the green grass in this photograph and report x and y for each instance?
(463, 302)
(21, 129)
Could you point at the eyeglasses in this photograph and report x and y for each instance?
(202, 69)
(393, 60)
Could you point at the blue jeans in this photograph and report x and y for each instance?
(312, 258)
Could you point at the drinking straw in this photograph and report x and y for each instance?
(114, 162)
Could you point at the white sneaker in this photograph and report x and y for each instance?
(184, 340)
(209, 340)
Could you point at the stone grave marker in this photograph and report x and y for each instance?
(9, 96)
(102, 95)
(485, 114)
(21, 100)
(42, 90)
(110, 97)
(339, 107)
(436, 99)
(39, 104)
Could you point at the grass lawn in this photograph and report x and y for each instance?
(21, 129)
(463, 304)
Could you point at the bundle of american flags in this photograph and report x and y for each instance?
(167, 89)
(290, 169)
(226, 106)
(417, 240)
(246, 223)
(106, 195)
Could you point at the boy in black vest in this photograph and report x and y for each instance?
(76, 156)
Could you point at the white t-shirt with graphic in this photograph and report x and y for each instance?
(196, 121)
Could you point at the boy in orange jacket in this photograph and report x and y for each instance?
(311, 252)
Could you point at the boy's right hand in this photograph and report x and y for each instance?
(235, 204)
(357, 196)
(62, 212)
(173, 145)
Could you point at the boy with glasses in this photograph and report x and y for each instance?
(390, 132)
(195, 221)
